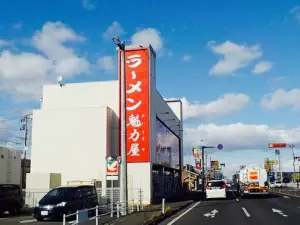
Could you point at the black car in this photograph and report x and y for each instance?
(11, 198)
(65, 200)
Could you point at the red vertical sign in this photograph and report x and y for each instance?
(137, 105)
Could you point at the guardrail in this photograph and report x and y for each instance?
(286, 190)
(119, 209)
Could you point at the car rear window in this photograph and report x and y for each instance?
(216, 184)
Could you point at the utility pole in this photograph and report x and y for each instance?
(24, 128)
(292, 146)
(206, 161)
(123, 172)
(203, 167)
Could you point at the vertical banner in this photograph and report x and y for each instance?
(214, 164)
(198, 163)
(137, 105)
(196, 153)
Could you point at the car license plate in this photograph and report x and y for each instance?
(44, 213)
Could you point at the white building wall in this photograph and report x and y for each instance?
(10, 166)
(82, 95)
(71, 141)
(73, 131)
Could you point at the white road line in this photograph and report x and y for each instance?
(286, 196)
(28, 221)
(182, 214)
(246, 212)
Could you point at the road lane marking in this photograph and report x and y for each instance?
(28, 221)
(182, 214)
(286, 196)
(246, 212)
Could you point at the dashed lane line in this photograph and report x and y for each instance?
(246, 212)
(28, 221)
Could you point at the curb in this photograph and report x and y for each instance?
(296, 196)
(161, 218)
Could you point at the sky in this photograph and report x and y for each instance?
(234, 64)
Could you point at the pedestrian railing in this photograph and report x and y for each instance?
(109, 212)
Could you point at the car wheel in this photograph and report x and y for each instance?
(39, 218)
(15, 210)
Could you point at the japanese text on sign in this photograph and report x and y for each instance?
(137, 105)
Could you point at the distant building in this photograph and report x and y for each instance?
(10, 166)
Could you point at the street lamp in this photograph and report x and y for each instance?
(123, 164)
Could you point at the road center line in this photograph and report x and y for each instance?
(182, 214)
(28, 221)
(246, 212)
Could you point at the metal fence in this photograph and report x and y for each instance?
(105, 196)
(101, 213)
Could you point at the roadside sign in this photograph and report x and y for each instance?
(220, 146)
(112, 168)
(277, 145)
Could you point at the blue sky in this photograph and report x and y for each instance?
(206, 49)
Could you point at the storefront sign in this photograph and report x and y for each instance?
(137, 105)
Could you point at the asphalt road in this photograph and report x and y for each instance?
(275, 210)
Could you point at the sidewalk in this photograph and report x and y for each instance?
(149, 213)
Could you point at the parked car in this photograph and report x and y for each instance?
(65, 200)
(11, 198)
(216, 189)
(276, 184)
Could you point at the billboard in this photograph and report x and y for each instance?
(214, 164)
(198, 163)
(167, 146)
(137, 105)
(197, 153)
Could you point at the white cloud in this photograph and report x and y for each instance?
(89, 4)
(17, 26)
(4, 43)
(241, 136)
(295, 11)
(170, 53)
(114, 29)
(106, 63)
(225, 105)
(281, 98)
(26, 72)
(148, 36)
(186, 58)
(50, 41)
(262, 67)
(234, 56)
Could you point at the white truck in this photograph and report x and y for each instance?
(252, 181)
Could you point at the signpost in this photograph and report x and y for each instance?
(277, 145)
(112, 170)
(220, 146)
(112, 174)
